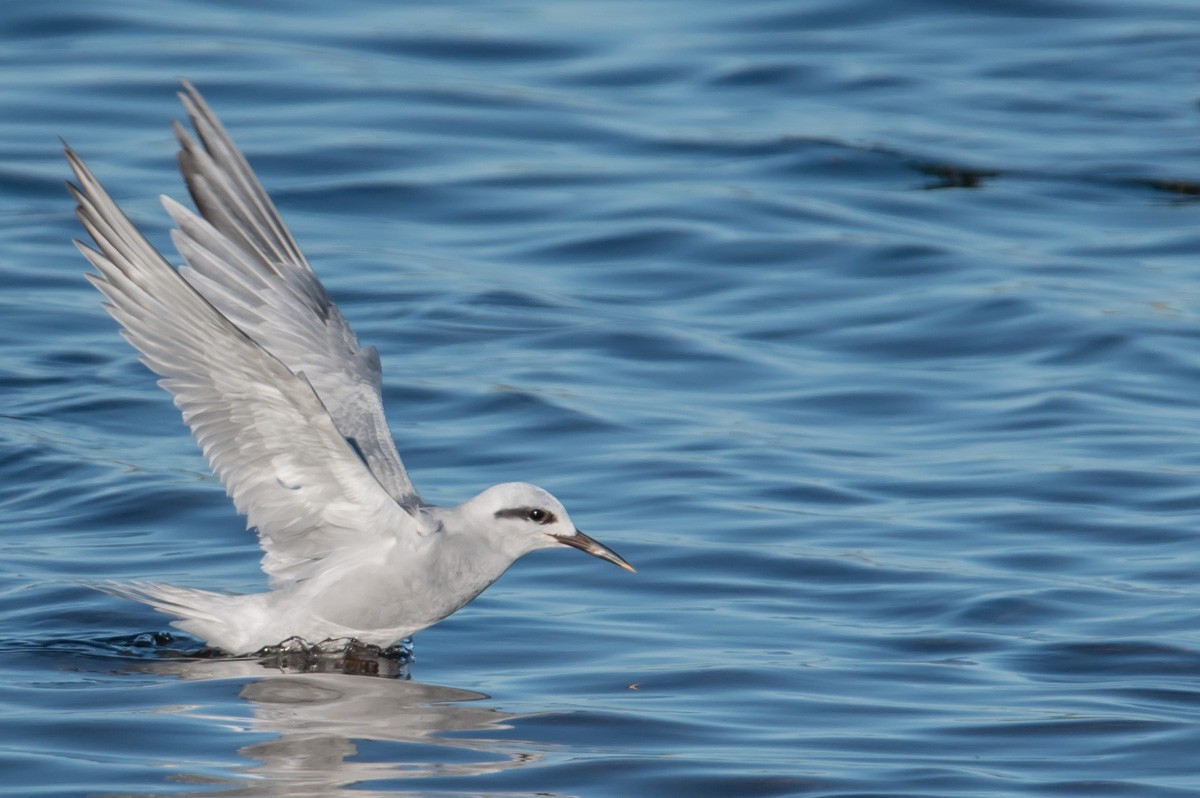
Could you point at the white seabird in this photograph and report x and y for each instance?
(287, 408)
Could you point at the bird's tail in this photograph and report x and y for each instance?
(199, 612)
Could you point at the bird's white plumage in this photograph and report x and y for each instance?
(286, 407)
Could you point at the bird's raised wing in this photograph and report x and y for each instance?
(244, 261)
(262, 427)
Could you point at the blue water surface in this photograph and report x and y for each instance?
(869, 331)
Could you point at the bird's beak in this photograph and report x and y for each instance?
(594, 548)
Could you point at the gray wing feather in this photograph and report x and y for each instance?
(262, 427)
(242, 258)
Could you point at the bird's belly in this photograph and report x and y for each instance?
(379, 604)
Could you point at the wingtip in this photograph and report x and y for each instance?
(70, 154)
(183, 136)
(75, 191)
(188, 92)
(82, 173)
(84, 246)
(190, 97)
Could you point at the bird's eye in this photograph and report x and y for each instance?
(537, 514)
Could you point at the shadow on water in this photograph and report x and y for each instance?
(317, 714)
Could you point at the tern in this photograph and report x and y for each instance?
(288, 410)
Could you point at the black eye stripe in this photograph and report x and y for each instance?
(513, 512)
(526, 514)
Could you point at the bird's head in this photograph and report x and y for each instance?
(527, 518)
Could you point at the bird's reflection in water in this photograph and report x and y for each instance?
(319, 723)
